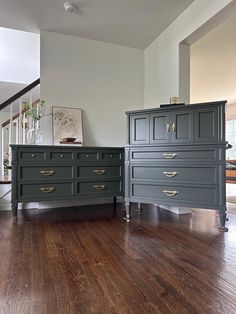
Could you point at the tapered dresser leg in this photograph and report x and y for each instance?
(139, 208)
(14, 207)
(114, 201)
(127, 209)
(222, 215)
(114, 207)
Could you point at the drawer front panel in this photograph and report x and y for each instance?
(87, 156)
(46, 173)
(99, 187)
(99, 172)
(111, 156)
(61, 156)
(189, 194)
(32, 156)
(45, 190)
(169, 154)
(206, 175)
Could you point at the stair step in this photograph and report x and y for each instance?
(5, 181)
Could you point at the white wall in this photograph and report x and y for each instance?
(213, 64)
(19, 56)
(162, 55)
(103, 79)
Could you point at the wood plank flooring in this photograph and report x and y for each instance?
(86, 260)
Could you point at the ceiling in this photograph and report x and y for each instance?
(134, 23)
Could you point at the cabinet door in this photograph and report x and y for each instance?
(160, 128)
(139, 129)
(182, 126)
(206, 124)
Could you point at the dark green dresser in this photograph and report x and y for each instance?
(176, 156)
(44, 173)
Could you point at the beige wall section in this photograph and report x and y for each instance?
(162, 55)
(184, 72)
(213, 65)
(103, 79)
(231, 112)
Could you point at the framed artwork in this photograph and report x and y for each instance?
(67, 125)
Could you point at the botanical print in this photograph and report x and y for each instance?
(67, 125)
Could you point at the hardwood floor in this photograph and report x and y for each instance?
(85, 260)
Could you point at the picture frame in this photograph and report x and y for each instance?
(67, 125)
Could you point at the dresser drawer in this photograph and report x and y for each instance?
(172, 193)
(100, 187)
(33, 156)
(46, 173)
(99, 172)
(111, 156)
(61, 156)
(206, 175)
(169, 154)
(89, 156)
(36, 191)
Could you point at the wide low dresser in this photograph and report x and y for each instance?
(51, 173)
(175, 156)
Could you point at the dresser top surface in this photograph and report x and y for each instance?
(64, 147)
(178, 107)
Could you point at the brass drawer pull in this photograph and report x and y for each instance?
(170, 155)
(87, 156)
(61, 155)
(33, 155)
(99, 187)
(167, 127)
(173, 127)
(99, 171)
(47, 172)
(47, 190)
(170, 193)
(170, 174)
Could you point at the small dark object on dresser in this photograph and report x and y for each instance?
(172, 105)
(68, 139)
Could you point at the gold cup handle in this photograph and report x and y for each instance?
(47, 172)
(170, 174)
(173, 127)
(167, 127)
(47, 190)
(170, 155)
(99, 171)
(99, 187)
(170, 193)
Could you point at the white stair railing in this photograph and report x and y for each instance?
(13, 124)
(1, 145)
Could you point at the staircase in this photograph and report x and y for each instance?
(13, 127)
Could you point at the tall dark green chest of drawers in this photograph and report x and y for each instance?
(176, 156)
(49, 173)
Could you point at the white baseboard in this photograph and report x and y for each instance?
(177, 210)
(5, 207)
(5, 202)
